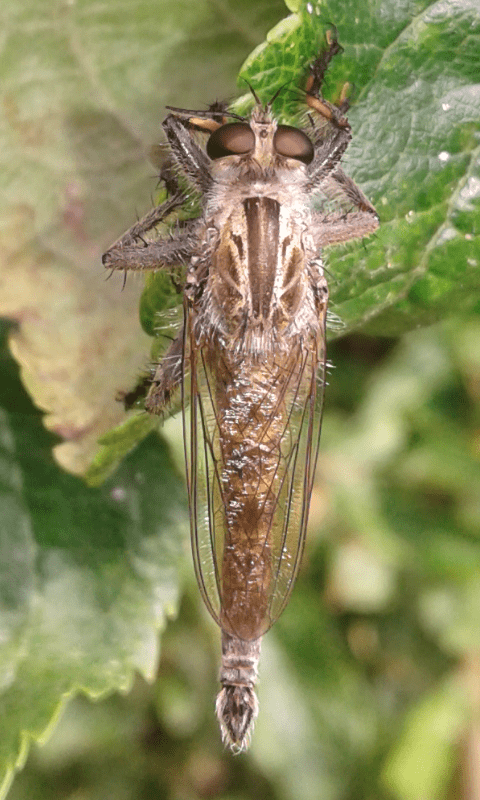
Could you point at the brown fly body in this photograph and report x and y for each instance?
(250, 357)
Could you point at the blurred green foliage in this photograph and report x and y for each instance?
(370, 681)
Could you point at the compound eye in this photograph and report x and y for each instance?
(233, 139)
(293, 143)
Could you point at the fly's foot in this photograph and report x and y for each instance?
(333, 113)
(321, 63)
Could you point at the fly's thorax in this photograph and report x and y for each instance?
(258, 277)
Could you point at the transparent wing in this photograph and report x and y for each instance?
(253, 443)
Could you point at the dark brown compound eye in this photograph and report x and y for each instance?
(293, 143)
(233, 139)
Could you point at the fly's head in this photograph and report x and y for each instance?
(258, 147)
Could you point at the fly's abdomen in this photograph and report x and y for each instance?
(255, 422)
(251, 418)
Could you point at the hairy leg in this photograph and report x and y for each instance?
(167, 378)
(333, 136)
(177, 249)
(353, 215)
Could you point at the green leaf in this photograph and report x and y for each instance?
(85, 87)
(116, 444)
(87, 576)
(415, 150)
(416, 153)
(159, 294)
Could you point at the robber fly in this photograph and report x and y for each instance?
(250, 357)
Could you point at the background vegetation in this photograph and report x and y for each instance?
(370, 681)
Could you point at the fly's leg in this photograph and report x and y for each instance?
(132, 252)
(148, 222)
(160, 254)
(179, 128)
(332, 139)
(127, 253)
(317, 74)
(193, 161)
(160, 385)
(356, 216)
(176, 198)
(320, 288)
(338, 228)
(167, 377)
